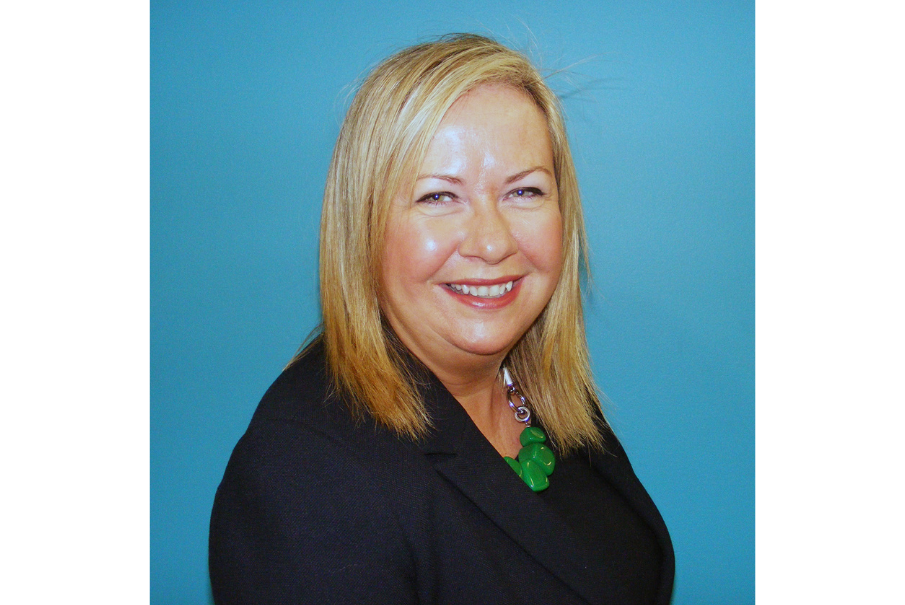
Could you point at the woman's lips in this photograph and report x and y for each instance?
(493, 291)
(485, 294)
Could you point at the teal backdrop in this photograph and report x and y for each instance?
(246, 102)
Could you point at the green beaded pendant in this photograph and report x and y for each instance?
(535, 460)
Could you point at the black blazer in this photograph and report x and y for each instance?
(317, 508)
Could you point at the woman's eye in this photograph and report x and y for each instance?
(436, 198)
(526, 192)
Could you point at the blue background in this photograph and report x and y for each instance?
(246, 102)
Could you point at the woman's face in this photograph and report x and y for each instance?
(474, 254)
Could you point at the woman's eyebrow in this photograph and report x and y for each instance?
(457, 181)
(443, 177)
(525, 173)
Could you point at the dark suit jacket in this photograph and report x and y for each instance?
(316, 508)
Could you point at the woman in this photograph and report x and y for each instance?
(392, 462)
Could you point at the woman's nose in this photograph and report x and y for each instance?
(488, 236)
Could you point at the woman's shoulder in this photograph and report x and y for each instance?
(302, 425)
(302, 493)
(302, 399)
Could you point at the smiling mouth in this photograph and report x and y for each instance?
(494, 291)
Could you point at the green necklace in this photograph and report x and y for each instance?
(535, 460)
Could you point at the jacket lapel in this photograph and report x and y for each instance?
(504, 498)
(615, 467)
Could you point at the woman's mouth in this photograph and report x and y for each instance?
(493, 291)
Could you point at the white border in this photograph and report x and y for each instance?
(74, 243)
(829, 301)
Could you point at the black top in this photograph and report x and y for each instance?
(317, 508)
(606, 525)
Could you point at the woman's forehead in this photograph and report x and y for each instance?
(494, 126)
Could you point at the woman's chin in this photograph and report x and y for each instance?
(485, 347)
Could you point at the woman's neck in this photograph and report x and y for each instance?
(475, 382)
(482, 396)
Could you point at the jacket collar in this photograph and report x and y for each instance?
(616, 468)
(460, 452)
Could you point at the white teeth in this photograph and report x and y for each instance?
(494, 291)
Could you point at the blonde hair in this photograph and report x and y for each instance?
(383, 140)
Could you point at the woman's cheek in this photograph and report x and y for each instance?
(431, 244)
(540, 239)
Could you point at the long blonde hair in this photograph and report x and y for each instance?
(383, 140)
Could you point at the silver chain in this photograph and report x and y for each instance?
(517, 401)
